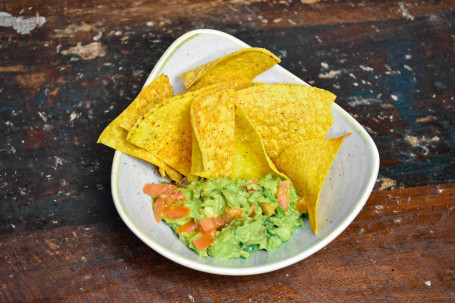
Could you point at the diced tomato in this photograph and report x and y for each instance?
(179, 196)
(175, 212)
(203, 241)
(255, 182)
(227, 218)
(187, 227)
(253, 210)
(283, 194)
(230, 213)
(158, 189)
(210, 225)
(169, 199)
(158, 208)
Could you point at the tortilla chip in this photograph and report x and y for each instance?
(241, 67)
(307, 164)
(196, 157)
(114, 136)
(213, 122)
(251, 160)
(166, 131)
(149, 97)
(285, 114)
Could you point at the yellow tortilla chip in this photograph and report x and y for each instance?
(150, 96)
(115, 137)
(241, 67)
(307, 164)
(251, 160)
(196, 157)
(166, 131)
(285, 114)
(213, 122)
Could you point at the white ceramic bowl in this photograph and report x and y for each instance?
(347, 187)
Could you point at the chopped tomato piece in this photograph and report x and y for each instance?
(230, 213)
(283, 194)
(255, 182)
(187, 227)
(169, 199)
(158, 208)
(175, 212)
(203, 242)
(179, 196)
(234, 211)
(253, 210)
(210, 225)
(158, 189)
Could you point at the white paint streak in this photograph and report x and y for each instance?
(356, 101)
(86, 52)
(405, 12)
(366, 68)
(73, 116)
(407, 67)
(386, 183)
(19, 24)
(98, 37)
(330, 75)
(43, 116)
(428, 283)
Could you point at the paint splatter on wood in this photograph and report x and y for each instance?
(86, 52)
(19, 24)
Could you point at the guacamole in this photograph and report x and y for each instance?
(231, 219)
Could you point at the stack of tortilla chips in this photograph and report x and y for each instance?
(224, 125)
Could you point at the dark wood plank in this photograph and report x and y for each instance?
(383, 255)
(54, 111)
(391, 64)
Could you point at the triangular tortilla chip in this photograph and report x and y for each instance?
(307, 164)
(115, 137)
(213, 122)
(251, 160)
(240, 67)
(166, 131)
(152, 95)
(285, 114)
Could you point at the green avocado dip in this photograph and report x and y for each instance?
(229, 219)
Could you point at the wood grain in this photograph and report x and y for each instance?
(391, 64)
(382, 255)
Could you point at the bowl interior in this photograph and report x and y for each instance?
(346, 189)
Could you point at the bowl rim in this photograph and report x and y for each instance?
(240, 271)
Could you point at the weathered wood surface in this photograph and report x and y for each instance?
(391, 64)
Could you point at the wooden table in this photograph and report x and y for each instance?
(67, 68)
